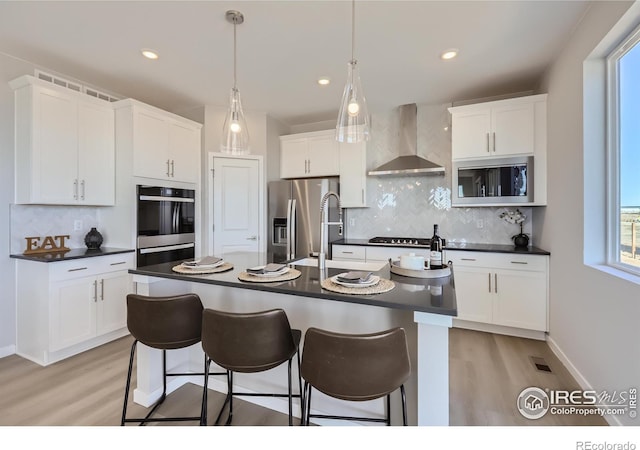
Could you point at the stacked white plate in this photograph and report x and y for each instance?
(356, 279)
(208, 262)
(268, 271)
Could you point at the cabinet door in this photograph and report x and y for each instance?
(151, 146)
(55, 147)
(73, 307)
(512, 129)
(96, 155)
(521, 299)
(353, 175)
(470, 134)
(473, 294)
(111, 312)
(293, 158)
(184, 153)
(323, 156)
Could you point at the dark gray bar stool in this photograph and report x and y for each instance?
(164, 323)
(248, 343)
(355, 367)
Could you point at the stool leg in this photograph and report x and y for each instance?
(388, 410)
(404, 405)
(203, 412)
(290, 398)
(126, 389)
(230, 418)
(302, 397)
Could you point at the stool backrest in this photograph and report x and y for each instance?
(247, 342)
(165, 322)
(355, 367)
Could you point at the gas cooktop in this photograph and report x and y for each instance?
(400, 241)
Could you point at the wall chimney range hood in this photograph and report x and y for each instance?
(408, 163)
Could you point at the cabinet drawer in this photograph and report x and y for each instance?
(84, 267)
(384, 253)
(349, 252)
(514, 261)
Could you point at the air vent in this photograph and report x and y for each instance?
(58, 81)
(540, 364)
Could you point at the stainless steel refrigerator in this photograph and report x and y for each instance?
(294, 217)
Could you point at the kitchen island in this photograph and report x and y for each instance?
(424, 307)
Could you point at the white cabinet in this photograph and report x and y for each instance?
(506, 289)
(353, 175)
(307, 155)
(373, 253)
(500, 128)
(67, 307)
(349, 253)
(64, 145)
(164, 146)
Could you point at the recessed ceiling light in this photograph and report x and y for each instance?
(449, 54)
(150, 54)
(323, 81)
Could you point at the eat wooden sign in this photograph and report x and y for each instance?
(35, 244)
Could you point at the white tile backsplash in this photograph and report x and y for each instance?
(41, 220)
(409, 206)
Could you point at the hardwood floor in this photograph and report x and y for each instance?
(487, 372)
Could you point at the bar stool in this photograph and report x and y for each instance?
(249, 343)
(355, 367)
(164, 323)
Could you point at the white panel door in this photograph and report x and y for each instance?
(96, 155)
(73, 312)
(323, 157)
(236, 205)
(294, 161)
(56, 144)
(470, 134)
(521, 299)
(112, 301)
(474, 294)
(513, 129)
(150, 146)
(184, 153)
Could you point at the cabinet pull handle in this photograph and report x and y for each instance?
(489, 282)
(75, 270)
(519, 262)
(75, 189)
(82, 186)
(168, 173)
(252, 238)
(346, 253)
(363, 196)
(494, 141)
(467, 259)
(102, 289)
(488, 151)
(495, 284)
(95, 291)
(118, 263)
(172, 168)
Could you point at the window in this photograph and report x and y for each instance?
(624, 155)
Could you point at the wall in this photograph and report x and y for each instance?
(410, 206)
(593, 314)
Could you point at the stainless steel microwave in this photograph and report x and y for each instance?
(493, 181)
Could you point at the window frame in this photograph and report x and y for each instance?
(613, 152)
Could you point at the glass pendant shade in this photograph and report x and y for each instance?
(353, 117)
(235, 134)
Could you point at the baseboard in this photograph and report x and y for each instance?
(7, 351)
(577, 375)
(499, 329)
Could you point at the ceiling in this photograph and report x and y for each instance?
(284, 46)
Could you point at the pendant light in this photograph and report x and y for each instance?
(353, 117)
(235, 135)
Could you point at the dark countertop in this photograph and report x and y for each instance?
(463, 246)
(409, 293)
(74, 253)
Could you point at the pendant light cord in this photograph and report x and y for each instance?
(234, 53)
(353, 28)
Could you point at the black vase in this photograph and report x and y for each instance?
(521, 240)
(93, 239)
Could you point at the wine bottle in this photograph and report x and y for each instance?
(435, 255)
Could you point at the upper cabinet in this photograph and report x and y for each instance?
(64, 145)
(307, 155)
(500, 128)
(164, 146)
(353, 175)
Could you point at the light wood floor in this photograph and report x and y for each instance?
(487, 372)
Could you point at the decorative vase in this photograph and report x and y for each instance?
(521, 240)
(93, 239)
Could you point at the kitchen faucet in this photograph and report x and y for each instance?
(323, 203)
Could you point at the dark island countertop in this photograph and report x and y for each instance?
(463, 246)
(73, 253)
(435, 295)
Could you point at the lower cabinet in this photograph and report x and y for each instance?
(503, 289)
(67, 307)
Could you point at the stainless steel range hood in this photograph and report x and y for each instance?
(408, 163)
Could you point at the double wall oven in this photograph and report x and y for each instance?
(166, 224)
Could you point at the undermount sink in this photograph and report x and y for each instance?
(348, 265)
